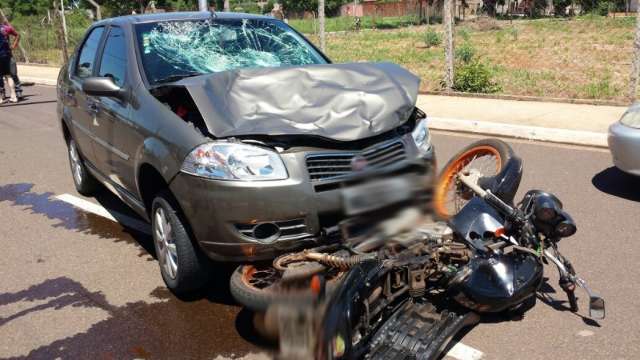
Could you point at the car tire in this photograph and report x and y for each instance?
(86, 184)
(183, 266)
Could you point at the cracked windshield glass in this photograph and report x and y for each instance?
(178, 49)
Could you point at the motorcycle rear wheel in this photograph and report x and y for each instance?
(487, 156)
(259, 286)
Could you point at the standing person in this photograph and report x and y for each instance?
(6, 31)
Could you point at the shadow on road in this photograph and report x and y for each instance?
(24, 103)
(617, 183)
(165, 328)
(200, 325)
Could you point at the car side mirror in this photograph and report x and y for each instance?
(103, 86)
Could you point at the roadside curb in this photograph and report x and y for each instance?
(38, 81)
(528, 98)
(563, 136)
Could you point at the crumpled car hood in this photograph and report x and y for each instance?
(337, 101)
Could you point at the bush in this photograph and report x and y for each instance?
(464, 34)
(268, 7)
(465, 53)
(603, 8)
(475, 77)
(514, 33)
(432, 38)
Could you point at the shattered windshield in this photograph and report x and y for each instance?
(177, 49)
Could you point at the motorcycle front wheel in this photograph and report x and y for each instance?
(489, 157)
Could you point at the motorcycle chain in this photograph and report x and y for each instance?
(418, 331)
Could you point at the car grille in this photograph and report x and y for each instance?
(326, 166)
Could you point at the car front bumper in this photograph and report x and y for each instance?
(223, 215)
(624, 143)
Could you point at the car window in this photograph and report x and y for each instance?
(114, 57)
(186, 48)
(87, 56)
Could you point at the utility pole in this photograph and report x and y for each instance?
(635, 65)
(202, 5)
(321, 21)
(447, 14)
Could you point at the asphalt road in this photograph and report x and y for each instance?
(77, 285)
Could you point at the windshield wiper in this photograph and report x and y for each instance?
(177, 77)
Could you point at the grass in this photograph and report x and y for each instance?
(586, 57)
(346, 23)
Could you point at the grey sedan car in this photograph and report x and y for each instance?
(624, 141)
(234, 135)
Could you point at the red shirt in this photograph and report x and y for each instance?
(5, 46)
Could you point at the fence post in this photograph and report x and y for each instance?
(321, 24)
(447, 15)
(635, 65)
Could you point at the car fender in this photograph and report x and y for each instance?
(156, 153)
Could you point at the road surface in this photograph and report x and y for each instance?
(76, 284)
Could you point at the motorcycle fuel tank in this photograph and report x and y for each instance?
(497, 282)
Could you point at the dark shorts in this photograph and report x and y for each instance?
(5, 66)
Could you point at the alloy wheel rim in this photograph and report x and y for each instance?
(76, 164)
(167, 252)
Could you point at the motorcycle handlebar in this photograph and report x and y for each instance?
(487, 195)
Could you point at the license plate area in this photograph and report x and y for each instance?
(375, 195)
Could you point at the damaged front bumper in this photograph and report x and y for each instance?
(254, 220)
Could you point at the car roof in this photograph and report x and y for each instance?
(177, 16)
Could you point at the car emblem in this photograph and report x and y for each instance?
(359, 163)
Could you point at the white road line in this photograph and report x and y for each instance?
(461, 351)
(99, 210)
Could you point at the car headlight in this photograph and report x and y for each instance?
(234, 161)
(631, 119)
(422, 137)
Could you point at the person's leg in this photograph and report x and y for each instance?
(14, 75)
(12, 88)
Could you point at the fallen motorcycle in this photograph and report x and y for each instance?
(404, 288)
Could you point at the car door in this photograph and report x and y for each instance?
(81, 108)
(111, 112)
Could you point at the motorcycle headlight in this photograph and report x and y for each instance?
(631, 119)
(234, 161)
(422, 137)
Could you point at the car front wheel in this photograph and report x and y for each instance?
(183, 266)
